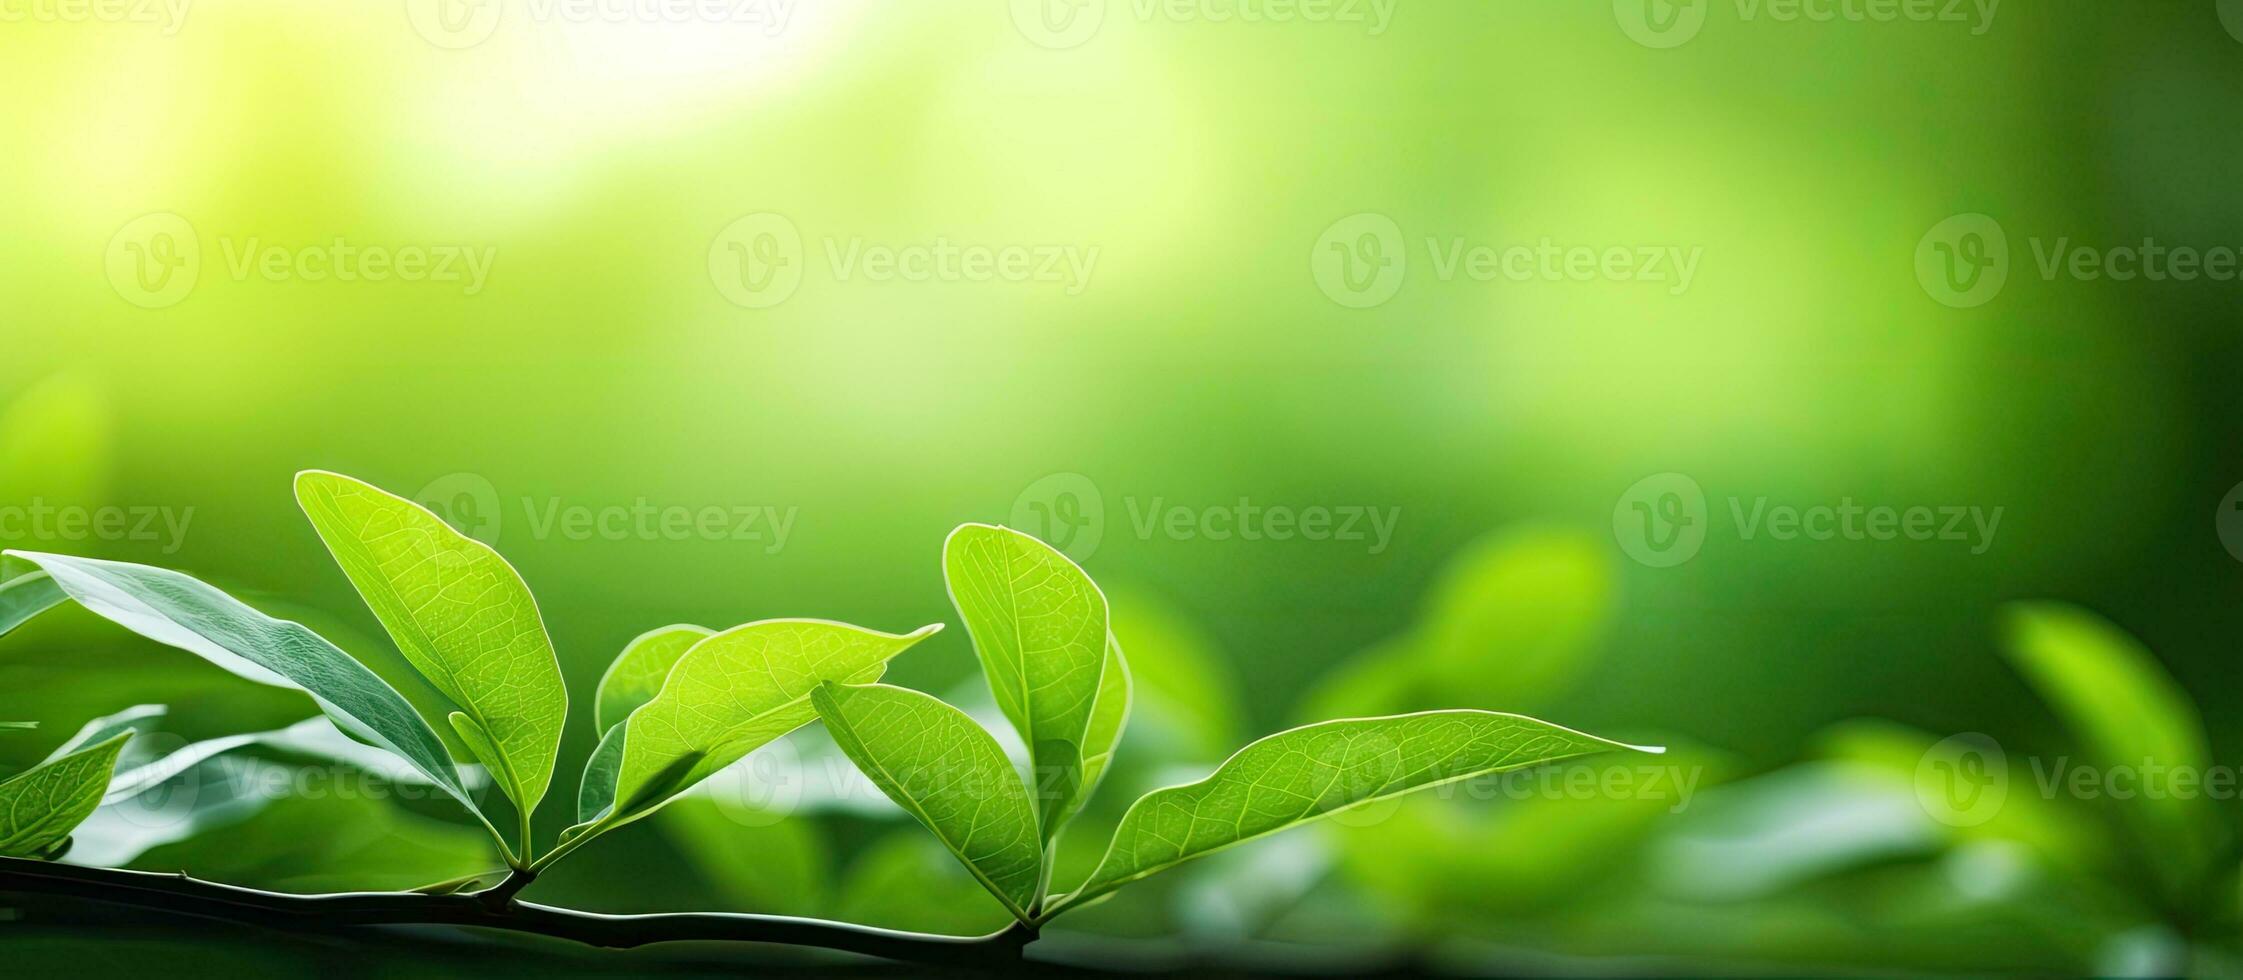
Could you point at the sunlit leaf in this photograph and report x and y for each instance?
(179, 611)
(25, 597)
(1109, 716)
(1040, 628)
(1296, 776)
(42, 805)
(2127, 711)
(731, 694)
(947, 773)
(460, 614)
(637, 673)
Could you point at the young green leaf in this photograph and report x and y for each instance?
(731, 694)
(18, 726)
(947, 772)
(460, 614)
(41, 806)
(182, 612)
(595, 796)
(636, 675)
(1297, 776)
(1040, 628)
(2127, 711)
(1109, 715)
(25, 597)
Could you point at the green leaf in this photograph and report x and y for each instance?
(731, 694)
(179, 611)
(1109, 715)
(140, 719)
(1297, 776)
(26, 597)
(1040, 628)
(2127, 711)
(637, 673)
(18, 726)
(1516, 618)
(40, 807)
(461, 615)
(596, 795)
(948, 773)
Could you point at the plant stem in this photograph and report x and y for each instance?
(179, 895)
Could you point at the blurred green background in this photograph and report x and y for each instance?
(608, 360)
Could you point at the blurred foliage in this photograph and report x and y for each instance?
(1811, 686)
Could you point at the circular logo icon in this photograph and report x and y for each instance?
(2230, 521)
(160, 792)
(1064, 510)
(467, 502)
(2231, 17)
(1963, 261)
(762, 789)
(1962, 781)
(154, 260)
(1359, 260)
(756, 261)
(1058, 24)
(1660, 23)
(1661, 520)
(453, 24)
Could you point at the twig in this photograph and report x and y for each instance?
(181, 895)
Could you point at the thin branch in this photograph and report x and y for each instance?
(184, 896)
